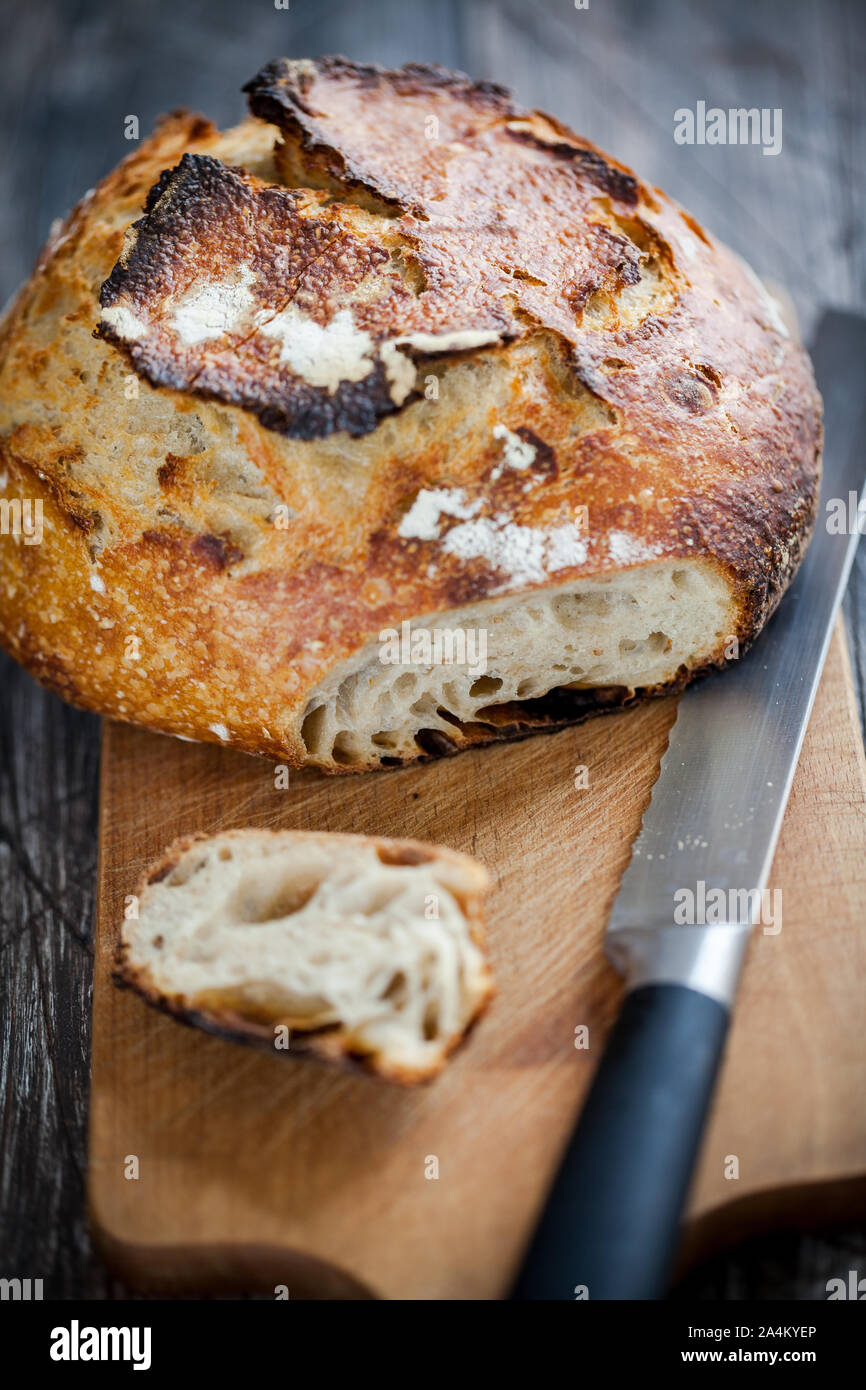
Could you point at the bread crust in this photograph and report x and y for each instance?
(654, 383)
(328, 1045)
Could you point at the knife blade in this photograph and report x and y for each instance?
(693, 891)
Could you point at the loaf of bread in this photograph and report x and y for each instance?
(363, 951)
(396, 420)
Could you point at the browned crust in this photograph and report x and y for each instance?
(324, 1045)
(288, 95)
(694, 428)
(202, 213)
(499, 204)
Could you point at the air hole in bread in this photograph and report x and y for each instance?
(386, 738)
(313, 730)
(405, 684)
(395, 992)
(257, 901)
(572, 610)
(485, 685)
(345, 749)
(431, 1022)
(655, 642)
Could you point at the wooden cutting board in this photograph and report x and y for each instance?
(255, 1171)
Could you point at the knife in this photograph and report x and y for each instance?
(610, 1226)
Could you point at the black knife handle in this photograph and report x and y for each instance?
(612, 1218)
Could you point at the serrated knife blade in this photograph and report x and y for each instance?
(694, 888)
(708, 837)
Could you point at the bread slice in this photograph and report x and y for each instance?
(393, 350)
(369, 951)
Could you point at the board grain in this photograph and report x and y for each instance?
(257, 1171)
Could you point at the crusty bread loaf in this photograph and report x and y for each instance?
(394, 350)
(369, 951)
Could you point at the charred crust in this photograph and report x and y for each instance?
(197, 213)
(203, 201)
(476, 250)
(197, 126)
(322, 1045)
(545, 456)
(559, 709)
(162, 871)
(619, 184)
(355, 407)
(169, 473)
(325, 1046)
(220, 552)
(282, 84)
(435, 743)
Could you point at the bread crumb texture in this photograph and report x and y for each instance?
(352, 949)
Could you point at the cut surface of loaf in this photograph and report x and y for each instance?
(549, 659)
(394, 350)
(367, 950)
